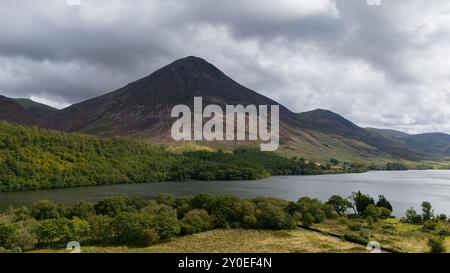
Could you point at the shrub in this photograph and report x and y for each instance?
(50, 231)
(377, 213)
(7, 233)
(117, 204)
(444, 232)
(429, 225)
(218, 206)
(77, 230)
(307, 220)
(330, 212)
(436, 245)
(442, 217)
(244, 214)
(182, 205)
(25, 236)
(384, 203)
(166, 199)
(343, 220)
(196, 221)
(313, 207)
(45, 209)
(149, 237)
(62, 230)
(339, 203)
(361, 201)
(427, 211)
(130, 228)
(100, 227)
(270, 216)
(354, 226)
(412, 217)
(351, 237)
(81, 210)
(166, 223)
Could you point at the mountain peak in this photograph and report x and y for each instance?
(192, 65)
(327, 120)
(322, 114)
(192, 59)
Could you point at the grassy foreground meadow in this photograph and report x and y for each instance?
(238, 241)
(391, 234)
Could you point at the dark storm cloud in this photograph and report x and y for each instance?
(379, 66)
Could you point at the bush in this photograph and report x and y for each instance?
(117, 204)
(131, 228)
(429, 226)
(444, 232)
(149, 237)
(354, 226)
(166, 223)
(384, 203)
(377, 213)
(25, 236)
(361, 201)
(62, 230)
(330, 212)
(45, 209)
(427, 211)
(436, 245)
(196, 221)
(7, 233)
(166, 199)
(270, 216)
(218, 206)
(81, 210)
(442, 217)
(355, 238)
(100, 228)
(244, 214)
(77, 230)
(412, 217)
(339, 203)
(50, 231)
(313, 207)
(307, 220)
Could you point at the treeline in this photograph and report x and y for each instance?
(33, 158)
(390, 166)
(126, 221)
(129, 221)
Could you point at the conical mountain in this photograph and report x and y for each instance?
(143, 107)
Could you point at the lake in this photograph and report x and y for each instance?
(404, 189)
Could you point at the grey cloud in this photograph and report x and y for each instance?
(378, 66)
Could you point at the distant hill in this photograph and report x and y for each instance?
(142, 109)
(12, 111)
(431, 145)
(38, 110)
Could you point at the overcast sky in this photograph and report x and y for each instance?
(382, 66)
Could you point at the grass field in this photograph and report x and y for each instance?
(390, 233)
(239, 241)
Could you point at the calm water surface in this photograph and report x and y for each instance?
(403, 189)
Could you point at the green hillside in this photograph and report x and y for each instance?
(33, 158)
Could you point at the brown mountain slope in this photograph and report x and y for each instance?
(143, 107)
(13, 112)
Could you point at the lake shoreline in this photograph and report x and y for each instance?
(405, 188)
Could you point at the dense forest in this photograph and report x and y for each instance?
(34, 158)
